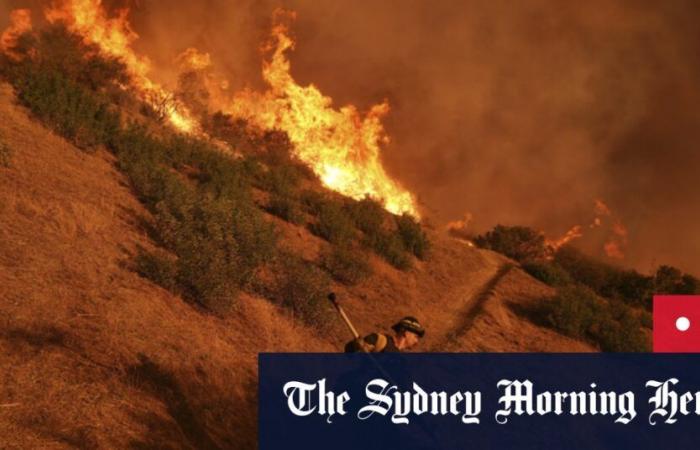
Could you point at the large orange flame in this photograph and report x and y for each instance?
(340, 145)
(114, 37)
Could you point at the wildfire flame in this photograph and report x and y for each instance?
(20, 22)
(574, 233)
(340, 145)
(114, 37)
(614, 245)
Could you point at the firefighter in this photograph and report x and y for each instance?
(407, 333)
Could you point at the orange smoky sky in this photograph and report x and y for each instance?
(514, 112)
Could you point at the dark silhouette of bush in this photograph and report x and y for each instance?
(548, 272)
(346, 265)
(235, 132)
(286, 208)
(311, 201)
(622, 333)
(672, 281)
(389, 246)
(158, 268)
(606, 280)
(391, 237)
(414, 238)
(368, 215)
(282, 180)
(576, 311)
(519, 243)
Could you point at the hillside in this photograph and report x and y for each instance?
(93, 355)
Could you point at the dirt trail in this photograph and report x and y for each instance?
(475, 296)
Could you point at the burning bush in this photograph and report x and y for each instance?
(56, 50)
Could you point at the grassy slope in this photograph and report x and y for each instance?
(93, 355)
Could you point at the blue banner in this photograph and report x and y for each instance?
(480, 400)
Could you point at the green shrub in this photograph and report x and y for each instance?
(54, 49)
(5, 155)
(219, 246)
(285, 208)
(389, 246)
(162, 270)
(220, 174)
(606, 280)
(205, 218)
(333, 224)
(368, 215)
(519, 243)
(414, 238)
(312, 201)
(548, 273)
(672, 281)
(622, 334)
(346, 265)
(576, 311)
(282, 180)
(303, 288)
(68, 108)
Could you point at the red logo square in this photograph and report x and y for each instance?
(677, 323)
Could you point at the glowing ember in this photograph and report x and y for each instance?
(114, 37)
(615, 245)
(616, 242)
(340, 145)
(573, 233)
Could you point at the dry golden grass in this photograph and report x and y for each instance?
(93, 356)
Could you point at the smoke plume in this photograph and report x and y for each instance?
(513, 112)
